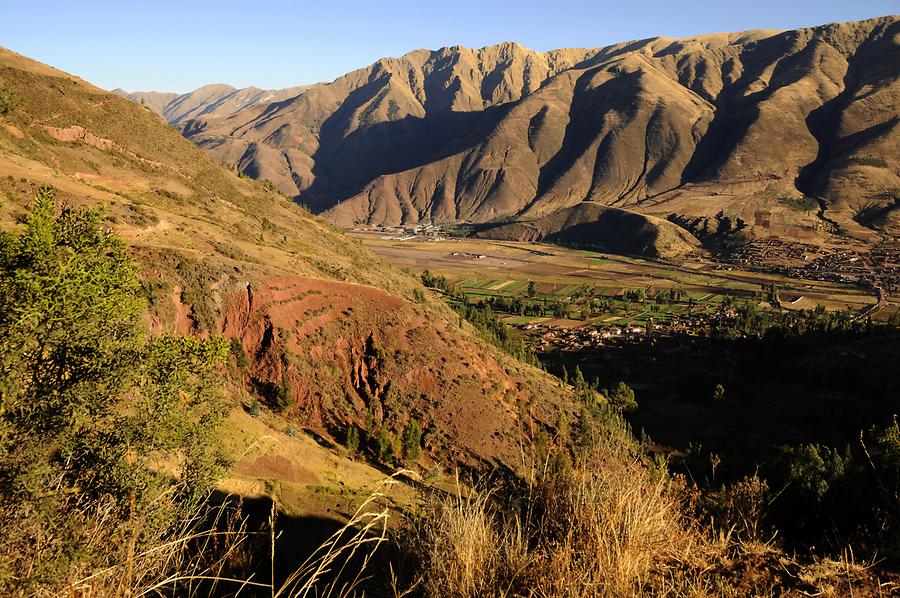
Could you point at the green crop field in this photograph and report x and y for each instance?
(568, 280)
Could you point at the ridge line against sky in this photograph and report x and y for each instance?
(177, 47)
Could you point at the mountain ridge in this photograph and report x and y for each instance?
(682, 129)
(215, 99)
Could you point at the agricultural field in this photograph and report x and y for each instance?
(595, 287)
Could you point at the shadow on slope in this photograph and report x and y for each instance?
(593, 225)
(346, 163)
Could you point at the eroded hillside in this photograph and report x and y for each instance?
(333, 336)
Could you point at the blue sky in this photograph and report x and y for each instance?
(178, 46)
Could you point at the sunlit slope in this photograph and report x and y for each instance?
(352, 340)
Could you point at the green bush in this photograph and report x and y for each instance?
(412, 441)
(255, 408)
(90, 404)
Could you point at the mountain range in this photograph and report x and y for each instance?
(790, 134)
(209, 100)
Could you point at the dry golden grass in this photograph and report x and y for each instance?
(194, 559)
(604, 529)
(338, 567)
(612, 527)
(211, 554)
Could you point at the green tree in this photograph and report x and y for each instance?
(412, 441)
(583, 436)
(284, 398)
(237, 351)
(562, 427)
(622, 396)
(89, 403)
(384, 444)
(718, 393)
(578, 381)
(531, 291)
(352, 441)
(541, 447)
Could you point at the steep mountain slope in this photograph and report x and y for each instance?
(591, 224)
(333, 336)
(208, 101)
(724, 126)
(384, 118)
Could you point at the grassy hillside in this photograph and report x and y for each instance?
(352, 340)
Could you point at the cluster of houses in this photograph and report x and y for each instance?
(879, 267)
(770, 251)
(590, 336)
(574, 339)
(405, 233)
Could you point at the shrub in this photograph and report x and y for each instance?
(90, 406)
(412, 441)
(255, 408)
(9, 101)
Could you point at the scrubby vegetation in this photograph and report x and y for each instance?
(610, 522)
(800, 204)
(9, 101)
(107, 451)
(105, 434)
(492, 329)
(815, 484)
(602, 528)
(870, 161)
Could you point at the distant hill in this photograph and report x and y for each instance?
(207, 101)
(726, 127)
(612, 230)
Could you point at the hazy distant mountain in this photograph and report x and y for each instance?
(716, 133)
(209, 100)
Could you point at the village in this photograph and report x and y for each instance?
(547, 337)
(876, 268)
